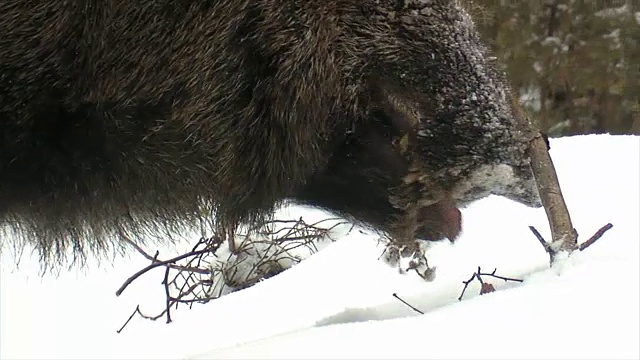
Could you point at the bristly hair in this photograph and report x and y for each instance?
(153, 116)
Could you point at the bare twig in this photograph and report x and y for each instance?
(157, 264)
(486, 287)
(466, 284)
(406, 303)
(549, 249)
(595, 236)
(139, 312)
(128, 240)
(154, 258)
(136, 311)
(204, 276)
(167, 294)
(493, 274)
(543, 242)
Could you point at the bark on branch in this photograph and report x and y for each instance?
(564, 236)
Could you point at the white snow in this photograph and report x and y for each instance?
(614, 12)
(338, 303)
(531, 95)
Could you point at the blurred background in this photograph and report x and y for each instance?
(575, 63)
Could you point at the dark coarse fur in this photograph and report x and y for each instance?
(138, 114)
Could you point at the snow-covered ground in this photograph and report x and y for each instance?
(338, 303)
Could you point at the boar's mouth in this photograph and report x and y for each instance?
(429, 198)
(439, 221)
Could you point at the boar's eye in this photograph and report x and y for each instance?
(394, 107)
(395, 123)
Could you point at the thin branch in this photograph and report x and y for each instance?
(544, 243)
(191, 301)
(595, 236)
(139, 312)
(406, 303)
(493, 274)
(157, 264)
(128, 240)
(564, 236)
(484, 285)
(466, 284)
(167, 294)
(153, 318)
(202, 278)
(479, 276)
(154, 259)
(136, 311)
(549, 249)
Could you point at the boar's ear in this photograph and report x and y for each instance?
(397, 106)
